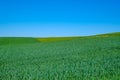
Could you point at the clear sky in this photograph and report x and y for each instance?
(49, 18)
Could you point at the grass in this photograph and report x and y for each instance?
(16, 40)
(53, 39)
(81, 58)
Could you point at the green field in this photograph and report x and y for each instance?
(66, 58)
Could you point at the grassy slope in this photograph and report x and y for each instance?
(54, 39)
(16, 40)
(86, 58)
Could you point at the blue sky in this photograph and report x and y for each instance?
(48, 18)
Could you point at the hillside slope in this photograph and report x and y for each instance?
(16, 40)
(110, 34)
(84, 58)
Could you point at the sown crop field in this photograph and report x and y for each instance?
(82, 58)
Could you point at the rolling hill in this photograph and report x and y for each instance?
(65, 58)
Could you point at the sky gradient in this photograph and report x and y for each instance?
(49, 18)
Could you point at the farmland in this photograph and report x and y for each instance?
(70, 58)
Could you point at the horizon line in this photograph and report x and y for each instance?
(56, 36)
